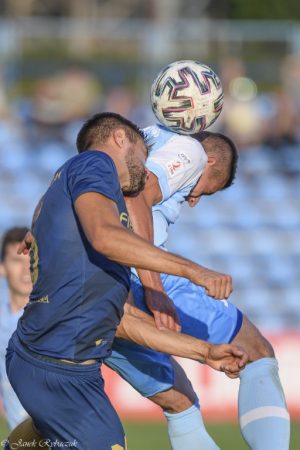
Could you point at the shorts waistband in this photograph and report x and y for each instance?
(52, 364)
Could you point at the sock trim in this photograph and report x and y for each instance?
(262, 413)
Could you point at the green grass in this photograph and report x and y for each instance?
(227, 436)
(149, 436)
(3, 431)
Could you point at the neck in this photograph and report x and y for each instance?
(17, 301)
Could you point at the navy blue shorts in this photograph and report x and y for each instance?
(66, 402)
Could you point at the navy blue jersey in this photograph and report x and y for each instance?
(78, 294)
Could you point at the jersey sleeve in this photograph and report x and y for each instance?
(177, 164)
(94, 172)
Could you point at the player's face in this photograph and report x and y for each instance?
(135, 162)
(15, 268)
(204, 186)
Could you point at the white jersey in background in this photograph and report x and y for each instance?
(14, 411)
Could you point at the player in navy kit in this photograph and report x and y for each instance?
(82, 243)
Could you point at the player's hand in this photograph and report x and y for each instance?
(217, 285)
(163, 309)
(227, 358)
(25, 245)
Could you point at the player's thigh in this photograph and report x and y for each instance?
(67, 404)
(180, 396)
(201, 316)
(146, 370)
(253, 342)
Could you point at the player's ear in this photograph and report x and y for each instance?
(119, 137)
(192, 201)
(211, 160)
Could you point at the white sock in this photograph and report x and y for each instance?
(187, 431)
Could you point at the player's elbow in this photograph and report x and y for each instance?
(105, 242)
(101, 245)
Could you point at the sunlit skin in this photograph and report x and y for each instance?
(135, 162)
(205, 185)
(15, 268)
(121, 149)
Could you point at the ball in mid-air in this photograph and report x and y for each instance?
(187, 97)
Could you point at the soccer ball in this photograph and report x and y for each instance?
(187, 97)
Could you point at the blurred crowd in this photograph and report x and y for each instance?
(252, 231)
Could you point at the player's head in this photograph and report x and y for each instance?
(220, 170)
(14, 267)
(108, 127)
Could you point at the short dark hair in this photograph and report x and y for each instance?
(96, 130)
(12, 236)
(225, 149)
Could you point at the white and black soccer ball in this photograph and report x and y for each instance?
(187, 97)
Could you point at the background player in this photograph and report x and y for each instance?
(175, 164)
(81, 244)
(15, 268)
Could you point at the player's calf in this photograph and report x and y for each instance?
(181, 408)
(263, 416)
(180, 397)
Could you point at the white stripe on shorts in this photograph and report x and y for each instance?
(263, 412)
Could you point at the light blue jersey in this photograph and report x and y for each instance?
(178, 162)
(14, 411)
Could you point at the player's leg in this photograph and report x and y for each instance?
(26, 434)
(66, 402)
(261, 398)
(14, 412)
(182, 411)
(154, 375)
(263, 416)
(159, 378)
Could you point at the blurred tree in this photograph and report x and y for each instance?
(266, 9)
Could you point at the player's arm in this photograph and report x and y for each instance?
(139, 327)
(140, 212)
(99, 218)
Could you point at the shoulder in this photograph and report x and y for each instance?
(91, 156)
(90, 160)
(187, 150)
(92, 171)
(158, 136)
(186, 147)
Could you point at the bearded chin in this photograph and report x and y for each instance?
(137, 174)
(137, 183)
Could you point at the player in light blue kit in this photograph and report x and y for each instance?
(15, 268)
(185, 168)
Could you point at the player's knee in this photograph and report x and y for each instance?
(265, 349)
(174, 402)
(253, 342)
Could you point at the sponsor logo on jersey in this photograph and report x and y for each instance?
(184, 158)
(56, 177)
(173, 167)
(41, 300)
(125, 220)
